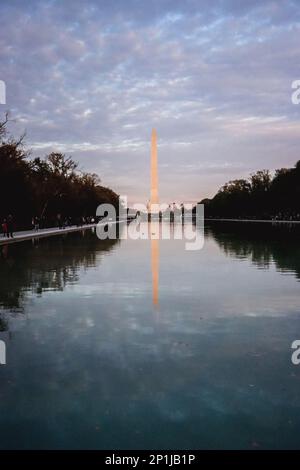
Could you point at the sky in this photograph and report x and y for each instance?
(92, 78)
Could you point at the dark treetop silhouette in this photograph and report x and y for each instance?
(261, 196)
(45, 187)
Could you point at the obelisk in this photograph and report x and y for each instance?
(154, 177)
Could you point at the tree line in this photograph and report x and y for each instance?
(45, 187)
(262, 195)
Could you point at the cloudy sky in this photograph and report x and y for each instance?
(91, 79)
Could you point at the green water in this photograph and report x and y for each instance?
(114, 345)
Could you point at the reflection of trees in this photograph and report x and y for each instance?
(263, 244)
(49, 264)
(3, 324)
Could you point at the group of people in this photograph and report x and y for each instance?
(63, 222)
(287, 215)
(40, 222)
(8, 227)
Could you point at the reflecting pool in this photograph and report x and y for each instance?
(131, 344)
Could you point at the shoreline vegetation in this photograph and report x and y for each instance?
(260, 197)
(46, 191)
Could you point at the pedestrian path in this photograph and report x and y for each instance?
(265, 221)
(46, 232)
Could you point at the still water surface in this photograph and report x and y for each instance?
(141, 344)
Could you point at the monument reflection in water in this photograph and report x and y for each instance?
(155, 269)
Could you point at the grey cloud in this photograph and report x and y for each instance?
(92, 78)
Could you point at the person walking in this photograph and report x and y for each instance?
(36, 224)
(10, 226)
(4, 228)
(59, 221)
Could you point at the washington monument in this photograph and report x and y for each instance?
(154, 177)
